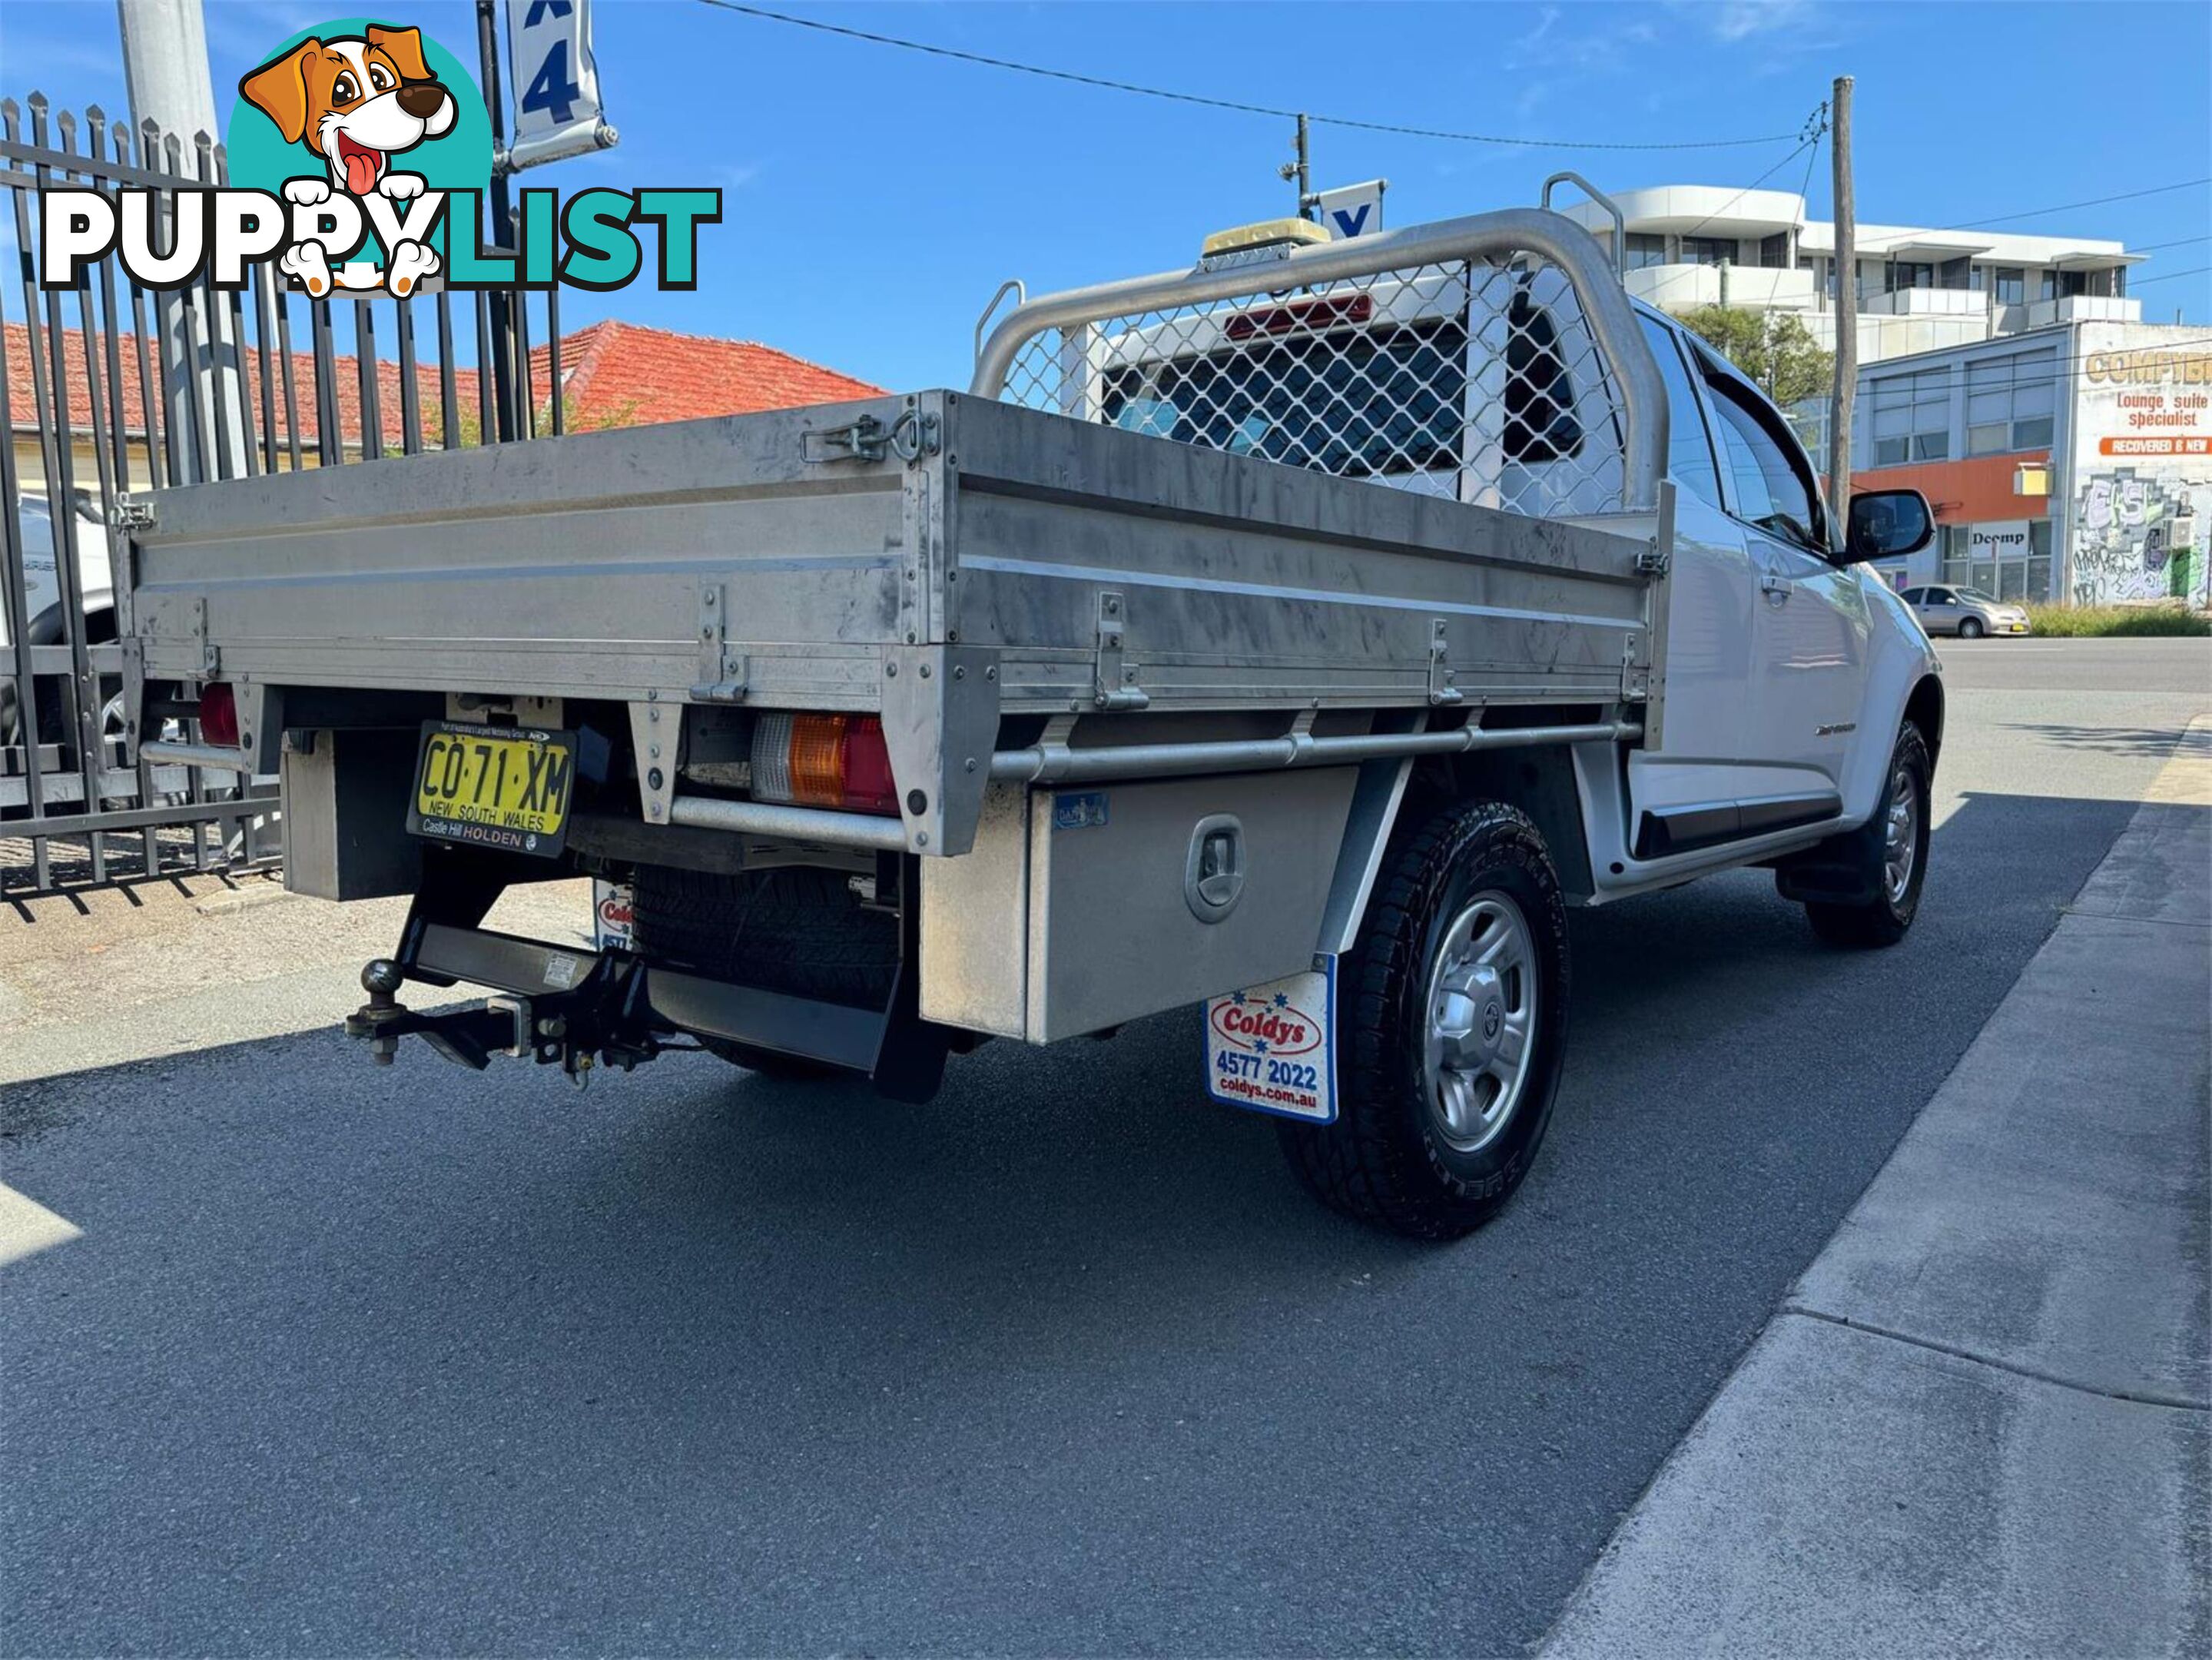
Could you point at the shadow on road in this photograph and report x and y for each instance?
(422, 1358)
(2158, 743)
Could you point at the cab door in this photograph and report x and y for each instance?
(1810, 648)
(1682, 795)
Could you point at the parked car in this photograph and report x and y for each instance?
(35, 522)
(1969, 613)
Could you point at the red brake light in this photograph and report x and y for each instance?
(1304, 314)
(218, 715)
(869, 787)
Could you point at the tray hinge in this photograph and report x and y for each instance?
(1112, 684)
(1635, 666)
(721, 671)
(912, 435)
(1443, 687)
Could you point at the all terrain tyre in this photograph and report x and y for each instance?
(1887, 856)
(1454, 1025)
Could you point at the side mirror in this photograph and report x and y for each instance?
(1885, 524)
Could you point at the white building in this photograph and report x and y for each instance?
(2070, 463)
(1919, 288)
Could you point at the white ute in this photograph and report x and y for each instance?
(1302, 634)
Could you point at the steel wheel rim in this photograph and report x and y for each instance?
(1900, 835)
(1478, 1021)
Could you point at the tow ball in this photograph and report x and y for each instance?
(600, 1021)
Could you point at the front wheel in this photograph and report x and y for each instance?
(1970, 627)
(1887, 855)
(1456, 995)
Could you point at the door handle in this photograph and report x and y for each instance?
(1776, 589)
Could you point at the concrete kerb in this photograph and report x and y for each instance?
(1980, 1420)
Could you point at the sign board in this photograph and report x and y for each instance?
(1273, 1048)
(2141, 464)
(555, 82)
(1998, 538)
(613, 905)
(1354, 211)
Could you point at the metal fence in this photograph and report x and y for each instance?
(112, 388)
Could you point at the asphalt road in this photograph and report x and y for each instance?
(363, 1361)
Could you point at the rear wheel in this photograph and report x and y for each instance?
(1970, 627)
(1457, 1005)
(795, 930)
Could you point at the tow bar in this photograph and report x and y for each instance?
(584, 1009)
(577, 1009)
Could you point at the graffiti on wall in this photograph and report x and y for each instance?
(2135, 536)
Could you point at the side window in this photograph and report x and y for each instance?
(1767, 486)
(1689, 453)
(1912, 596)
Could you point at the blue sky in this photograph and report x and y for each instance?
(875, 197)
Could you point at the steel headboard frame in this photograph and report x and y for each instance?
(1433, 357)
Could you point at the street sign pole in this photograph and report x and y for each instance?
(499, 350)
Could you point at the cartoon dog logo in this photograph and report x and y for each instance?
(357, 102)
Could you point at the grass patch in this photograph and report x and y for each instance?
(2113, 622)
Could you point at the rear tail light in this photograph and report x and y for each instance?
(218, 715)
(823, 761)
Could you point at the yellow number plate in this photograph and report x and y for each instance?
(495, 787)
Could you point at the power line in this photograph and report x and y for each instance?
(2093, 202)
(1818, 124)
(1237, 105)
(1909, 233)
(2061, 370)
(2167, 275)
(1813, 154)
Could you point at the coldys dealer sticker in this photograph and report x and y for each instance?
(1273, 1048)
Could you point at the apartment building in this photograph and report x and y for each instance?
(1919, 289)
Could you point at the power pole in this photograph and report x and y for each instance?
(1299, 171)
(1847, 309)
(165, 73)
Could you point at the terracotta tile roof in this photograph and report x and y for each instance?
(618, 374)
(622, 374)
(23, 410)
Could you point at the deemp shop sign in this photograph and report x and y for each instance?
(359, 157)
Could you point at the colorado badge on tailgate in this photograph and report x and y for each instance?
(1273, 1048)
